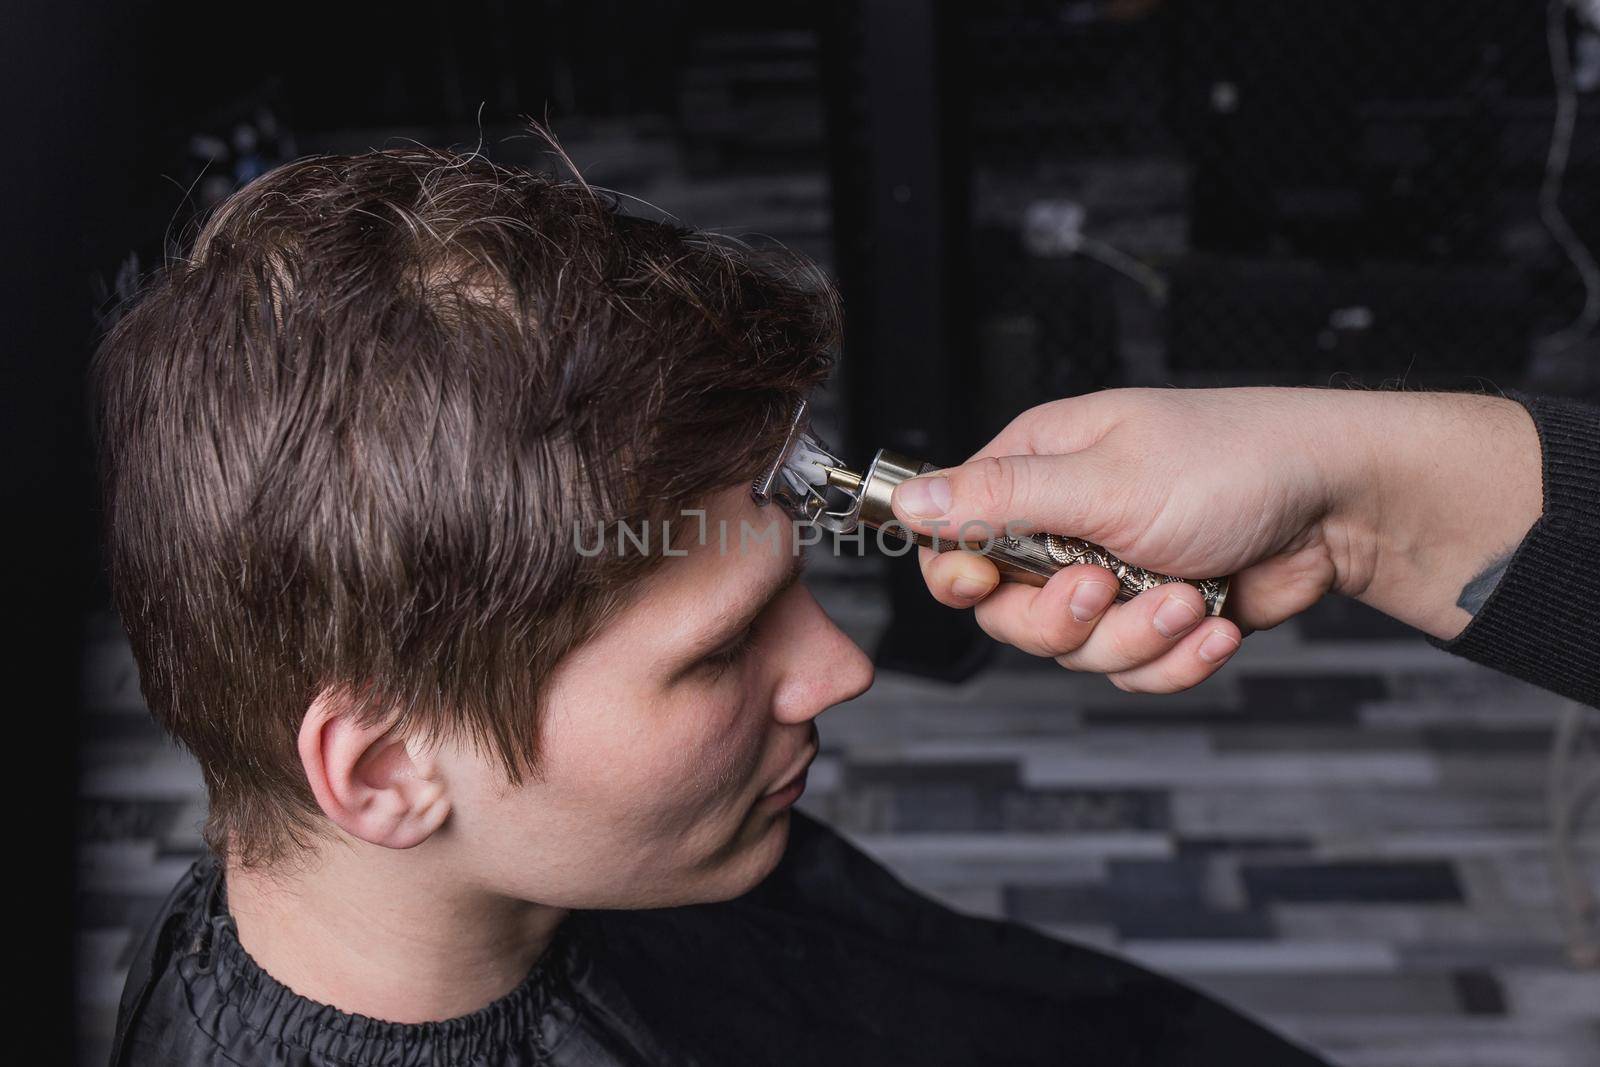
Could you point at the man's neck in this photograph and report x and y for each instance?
(378, 933)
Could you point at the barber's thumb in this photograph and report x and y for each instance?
(1026, 492)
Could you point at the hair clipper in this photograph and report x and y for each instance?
(808, 481)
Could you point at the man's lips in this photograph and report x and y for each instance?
(793, 786)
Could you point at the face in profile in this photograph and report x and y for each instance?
(672, 742)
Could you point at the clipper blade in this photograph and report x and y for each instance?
(798, 472)
(762, 488)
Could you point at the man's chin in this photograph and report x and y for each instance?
(759, 855)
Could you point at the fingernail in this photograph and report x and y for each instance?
(924, 498)
(970, 588)
(1217, 647)
(1175, 616)
(1090, 598)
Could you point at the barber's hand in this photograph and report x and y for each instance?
(1284, 489)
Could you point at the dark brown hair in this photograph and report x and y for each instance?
(346, 442)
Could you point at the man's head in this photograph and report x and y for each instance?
(352, 444)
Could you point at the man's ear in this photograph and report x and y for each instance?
(370, 781)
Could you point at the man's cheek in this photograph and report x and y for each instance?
(732, 755)
(708, 773)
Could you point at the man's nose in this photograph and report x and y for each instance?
(825, 667)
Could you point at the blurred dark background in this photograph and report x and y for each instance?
(1020, 201)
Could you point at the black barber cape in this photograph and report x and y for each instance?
(829, 961)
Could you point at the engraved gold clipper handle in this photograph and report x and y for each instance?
(1030, 559)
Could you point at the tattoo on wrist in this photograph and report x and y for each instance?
(1476, 592)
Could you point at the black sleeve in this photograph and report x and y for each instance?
(1542, 622)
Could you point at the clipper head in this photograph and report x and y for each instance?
(807, 480)
(771, 480)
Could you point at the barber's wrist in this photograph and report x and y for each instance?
(1445, 484)
(1350, 443)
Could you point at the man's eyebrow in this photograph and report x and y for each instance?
(735, 625)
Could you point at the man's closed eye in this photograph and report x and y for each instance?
(730, 654)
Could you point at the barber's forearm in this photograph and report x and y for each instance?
(1438, 491)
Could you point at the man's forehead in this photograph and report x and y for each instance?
(735, 555)
(732, 541)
